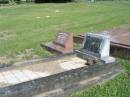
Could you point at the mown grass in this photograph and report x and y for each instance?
(25, 26)
(118, 87)
(30, 31)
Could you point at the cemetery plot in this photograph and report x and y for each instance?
(63, 72)
(119, 37)
(120, 41)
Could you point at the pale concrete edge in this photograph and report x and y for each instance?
(60, 92)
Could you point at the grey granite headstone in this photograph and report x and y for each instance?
(98, 45)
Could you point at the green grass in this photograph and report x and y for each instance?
(74, 17)
(118, 87)
(21, 30)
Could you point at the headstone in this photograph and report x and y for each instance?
(61, 39)
(62, 44)
(97, 46)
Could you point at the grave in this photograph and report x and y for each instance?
(62, 44)
(120, 42)
(61, 75)
(96, 47)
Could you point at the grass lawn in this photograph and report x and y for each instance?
(23, 27)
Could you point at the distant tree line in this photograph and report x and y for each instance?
(4, 1)
(49, 1)
(55, 1)
(36, 1)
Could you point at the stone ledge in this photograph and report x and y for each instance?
(64, 80)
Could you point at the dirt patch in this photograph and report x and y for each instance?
(20, 56)
(5, 35)
(27, 54)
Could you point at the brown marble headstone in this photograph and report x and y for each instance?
(62, 44)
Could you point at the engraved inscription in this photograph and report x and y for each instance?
(93, 44)
(61, 38)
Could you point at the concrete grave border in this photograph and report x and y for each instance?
(61, 84)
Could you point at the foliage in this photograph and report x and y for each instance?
(4, 1)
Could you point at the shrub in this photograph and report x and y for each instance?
(56, 1)
(4, 1)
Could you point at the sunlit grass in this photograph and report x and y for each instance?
(30, 31)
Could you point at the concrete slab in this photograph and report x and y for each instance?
(20, 76)
(75, 63)
(41, 69)
(120, 36)
(9, 77)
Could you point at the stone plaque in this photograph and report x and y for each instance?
(61, 38)
(62, 44)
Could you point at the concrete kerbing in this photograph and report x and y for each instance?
(74, 87)
(63, 83)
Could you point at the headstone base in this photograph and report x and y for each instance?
(62, 44)
(56, 48)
